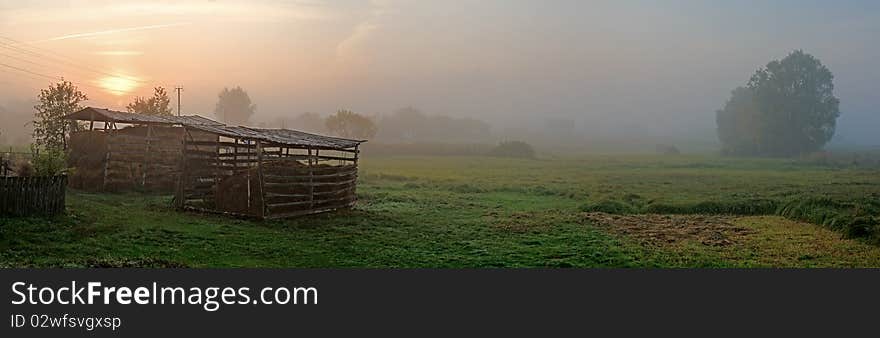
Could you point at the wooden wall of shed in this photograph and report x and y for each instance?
(231, 179)
(127, 159)
(88, 151)
(291, 190)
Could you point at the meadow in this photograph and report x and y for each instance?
(474, 211)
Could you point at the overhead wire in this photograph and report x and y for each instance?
(52, 56)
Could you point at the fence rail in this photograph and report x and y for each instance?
(26, 196)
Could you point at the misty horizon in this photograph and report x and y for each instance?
(603, 70)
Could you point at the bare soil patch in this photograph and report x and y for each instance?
(656, 229)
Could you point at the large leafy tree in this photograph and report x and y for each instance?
(234, 106)
(738, 123)
(792, 109)
(50, 129)
(346, 123)
(159, 104)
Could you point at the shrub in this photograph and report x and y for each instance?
(516, 149)
(49, 162)
(23, 169)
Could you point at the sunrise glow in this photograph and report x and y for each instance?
(118, 85)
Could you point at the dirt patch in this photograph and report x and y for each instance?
(657, 229)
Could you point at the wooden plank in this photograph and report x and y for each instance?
(222, 143)
(329, 158)
(288, 204)
(309, 212)
(274, 194)
(304, 184)
(282, 179)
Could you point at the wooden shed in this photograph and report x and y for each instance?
(121, 151)
(266, 173)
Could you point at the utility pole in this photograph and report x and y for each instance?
(178, 89)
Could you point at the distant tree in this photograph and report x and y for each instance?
(311, 122)
(346, 123)
(406, 124)
(738, 123)
(411, 125)
(158, 105)
(518, 149)
(51, 131)
(234, 106)
(792, 109)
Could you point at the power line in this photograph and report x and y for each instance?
(49, 67)
(32, 72)
(29, 76)
(57, 58)
(54, 78)
(24, 60)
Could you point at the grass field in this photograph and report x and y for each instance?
(493, 212)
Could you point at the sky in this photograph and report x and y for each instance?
(612, 68)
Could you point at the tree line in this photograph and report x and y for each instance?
(786, 108)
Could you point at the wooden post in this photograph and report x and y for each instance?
(108, 149)
(217, 173)
(235, 155)
(262, 211)
(312, 163)
(356, 154)
(181, 178)
(146, 165)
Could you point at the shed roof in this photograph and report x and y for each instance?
(285, 137)
(106, 115)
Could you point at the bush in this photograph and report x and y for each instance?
(23, 169)
(516, 149)
(49, 162)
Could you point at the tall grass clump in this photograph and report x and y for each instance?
(610, 206)
(856, 219)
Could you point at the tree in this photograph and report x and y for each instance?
(50, 129)
(516, 149)
(311, 122)
(234, 106)
(787, 108)
(346, 123)
(156, 105)
(738, 123)
(412, 125)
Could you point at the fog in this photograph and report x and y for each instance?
(596, 75)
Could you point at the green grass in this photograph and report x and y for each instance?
(476, 212)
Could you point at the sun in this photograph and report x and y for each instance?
(118, 85)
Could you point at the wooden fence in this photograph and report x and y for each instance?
(26, 196)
